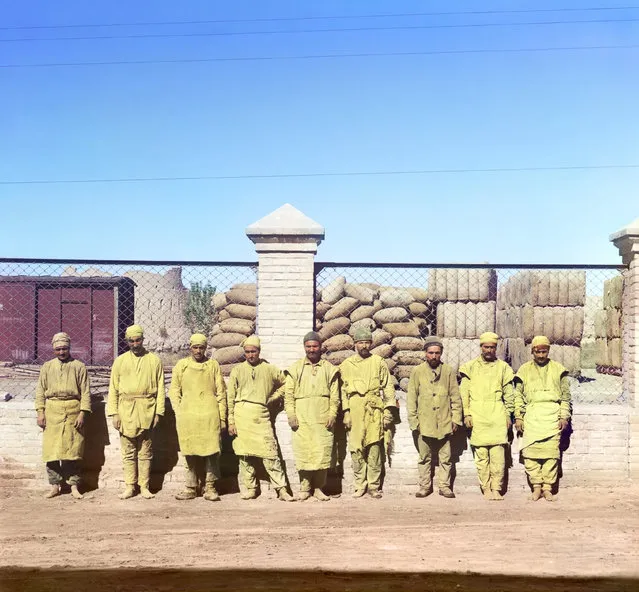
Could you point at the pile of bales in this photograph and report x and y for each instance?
(608, 328)
(549, 303)
(235, 312)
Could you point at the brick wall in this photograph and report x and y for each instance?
(598, 453)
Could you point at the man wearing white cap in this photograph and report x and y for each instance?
(62, 401)
(488, 402)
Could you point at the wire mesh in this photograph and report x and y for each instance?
(577, 308)
(94, 302)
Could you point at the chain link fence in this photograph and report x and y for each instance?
(94, 301)
(577, 308)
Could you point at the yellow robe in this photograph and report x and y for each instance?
(367, 392)
(487, 396)
(250, 390)
(136, 392)
(542, 398)
(433, 401)
(198, 394)
(62, 392)
(311, 394)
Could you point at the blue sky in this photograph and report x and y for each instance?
(429, 112)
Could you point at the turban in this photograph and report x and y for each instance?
(197, 339)
(362, 334)
(252, 341)
(61, 339)
(540, 340)
(312, 336)
(134, 331)
(433, 341)
(488, 337)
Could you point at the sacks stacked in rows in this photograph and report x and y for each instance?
(235, 314)
(608, 328)
(549, 303)
(399, 319)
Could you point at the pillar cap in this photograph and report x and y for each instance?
(627, 241)
(286, 229)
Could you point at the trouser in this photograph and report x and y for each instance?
(427, 449)
(194, 464)
(137, 454)
(273, 467)
(491, 466)
(542, 471)
(368, 465)
(63, 471)
(310, 480)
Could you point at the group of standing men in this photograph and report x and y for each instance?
(313, 393)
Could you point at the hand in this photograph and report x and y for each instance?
(117, 424)
(519, 426)
(330, 423)
(509, 423)
(222, 426)
(156, 421)
(293, 423)
(347, 420)
(455, 427)
(232, 430)
(388, 423)
(41, 421)
(563, 424)
(79, 421)
(468, 421)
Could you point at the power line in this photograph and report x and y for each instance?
(321, 56)
(316, 18)
(328, 174)
(334, 30)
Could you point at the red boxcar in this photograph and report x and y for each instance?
(93, 311)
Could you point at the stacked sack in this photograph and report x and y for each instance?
(399, 319)
(608, 328)
(235, 314)
(465, 308)
(549, 303)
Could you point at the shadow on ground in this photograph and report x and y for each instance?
(135, 580)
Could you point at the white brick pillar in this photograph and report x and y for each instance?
(286, 242)
(627, 241)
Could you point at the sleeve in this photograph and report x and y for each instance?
(334, 394)
(455, 399)
(343, 389)
(220, 393)
(279, 379)
(85, 391)
(411, 401)
(565, 405)
(289, 393)
(386, 384)
(520, 398)
(464, 390)
(175, 390)
(508, 390)
(159, 401)
(41, 389)
(230, 396)
(114, 389)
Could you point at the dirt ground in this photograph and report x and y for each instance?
(403, 543)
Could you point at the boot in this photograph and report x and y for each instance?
(249, 494)
(446, 492)
(75, 493)
(187, 494)
(55, 491)
(424, 492)
(496, 496)
(320, 495)
(304, 495)
(210, 493)
(129, 491)
(548, 496)
(284, 495)
(144, 472)
(359, 492)
(536, 493)
(375, 493)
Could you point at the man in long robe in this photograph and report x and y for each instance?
(367, 399)
(62, 400)
(488, 404)
(542, 411)
(255, 387)
(434, 410)
(311, 402)
(198, 395)
(135, 403)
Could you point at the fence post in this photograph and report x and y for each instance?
(627, 241)
(286, 242)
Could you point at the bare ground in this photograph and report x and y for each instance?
(401, 542)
